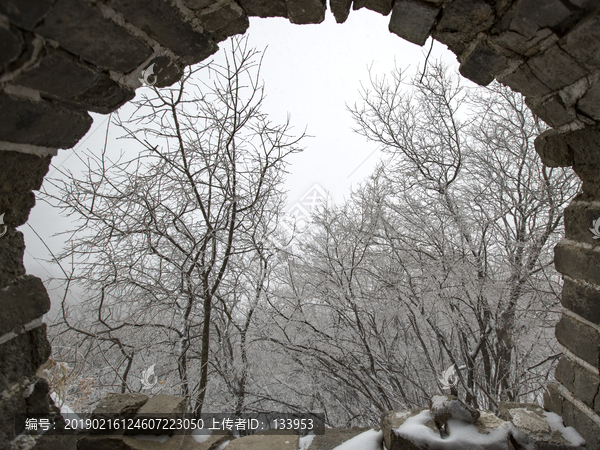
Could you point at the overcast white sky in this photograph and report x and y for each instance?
(310, 72)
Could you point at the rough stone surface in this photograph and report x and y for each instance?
(532, 15)
(163, 404)
(12, 247)
(22, 302)
(583, 42)
(340, 9)
(226, 20)
(334, 437)
(40, 123)
(446, 407)
(306, 11)
(578, 263)
(413, 20)
(22, 355)
(25, 14)
(579, 222)
(481, 64)
(381, 6)
(126, 405)
(590, 102)
(265, 8)
(553, 149)
(524, 81)
(579, 380)
(82, 29)
(582, 300)
(581, 339)
(554, 112)
(555, 68)
(11, 44)
(21, 172)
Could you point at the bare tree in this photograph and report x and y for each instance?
(160, 233)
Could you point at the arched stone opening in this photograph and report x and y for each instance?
(61, 58)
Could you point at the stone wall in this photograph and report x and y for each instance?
(62, 58)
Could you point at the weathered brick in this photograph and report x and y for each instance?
(121, 405)
(461, 21)
(581, 382)
(23, 355)
(524, 81)
(578, 222)
(41, 123)
(81, 29)
(412, 20)
(26, 14)
(589, 104)
(578, 263)
(583, 42)
(12, 247)
(482, 64)
(224, 20)
(520, 44)
(340, 9)
(21, 302)
(532, 15)
(582, 300)
(572, 416)
(553, 111)
(21, 172)
(306, 11)
(555, 68)
(580, 338)
(16, 207)
(553, 149)
(163, 22)
(265, 8)
(381, 6)
(104, 96)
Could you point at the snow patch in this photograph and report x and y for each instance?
(569, 433)
(369, 440)
(305, 441)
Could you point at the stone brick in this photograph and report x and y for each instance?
(21, 302)
(334, 437)
(579, 381)
(589, 104)
(224, 20)
(578, 263)
(340, 9)
(523, 45)
(482, 64)
(553, 111)
(21, 172)
(524, 81)
(11, 44)
(12, 247)
(578, 222)
(580, 338)
(531, 15)
(26, 14)
(41, 123)
(265, 8)
(12, 402)
(306, 11)
(125, 405)
(22, 355)
(163, 22)
(81, 29)
(461, 21)
(413, 20)
(585, 145)
(582, 300)
(381, 6)
(555, 68)
(583, 43)
(104, 97)
(16, 207)
(572, 416)
(553, 149)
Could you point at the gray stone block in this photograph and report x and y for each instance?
(579, 220)
(21, 302)
(583, 42)
(41, 123)
(126, 405)
(532, 15)
(81, 29)
(524, 81)
(227, 20)
(482, 64)
(413, 20)
(11, 45)
(12, 248)
(22, 355)
(589, 104)
(553, 149)
(383, 7)
(580, 381)
(446, 407)
(162, 21)
(582, 300)
(22, 172)
(579, 338)
(340, 9)
(16, 207)
(555, 68)
(461, 21)
(26, 14)
(553, 111)
(306, 11)
(265, 8)
(104, 96)
(578, 263)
